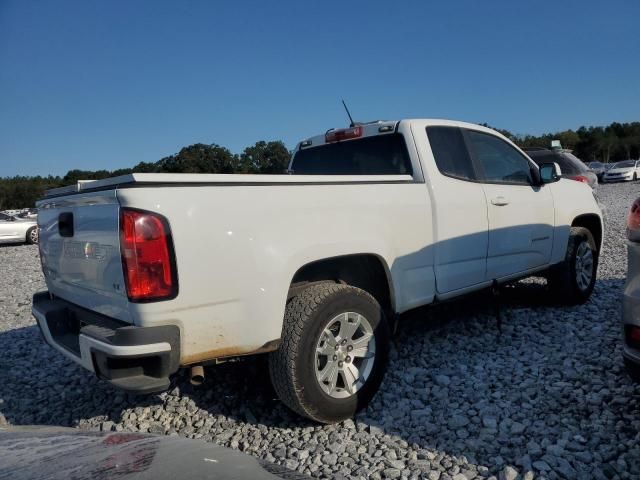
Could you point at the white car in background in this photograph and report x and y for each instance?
(627, 170)
(18, 230)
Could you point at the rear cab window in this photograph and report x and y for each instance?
(373, 155)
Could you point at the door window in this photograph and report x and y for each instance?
(498, 161)
(450, 152)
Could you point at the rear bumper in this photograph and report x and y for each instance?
(135, 359)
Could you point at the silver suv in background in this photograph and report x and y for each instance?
(631, 299)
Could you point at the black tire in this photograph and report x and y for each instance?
(30, 237)
(635, 177)
(293, 366)
(633, 369)
(562, 279)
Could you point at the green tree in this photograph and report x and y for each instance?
(265, 157)
(200, 158)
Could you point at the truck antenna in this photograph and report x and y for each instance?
(348, 114)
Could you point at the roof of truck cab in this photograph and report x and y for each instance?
(372, 128)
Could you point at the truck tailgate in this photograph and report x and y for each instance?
(80, 251)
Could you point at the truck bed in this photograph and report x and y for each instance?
(237, 248)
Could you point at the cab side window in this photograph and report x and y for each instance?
(498, 161)
(450, 152)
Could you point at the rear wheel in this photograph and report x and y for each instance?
(333, 354)
(572, 281)
(32, 235)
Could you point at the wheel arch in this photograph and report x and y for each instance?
(591, 222)
(367, 271)
(27, 233)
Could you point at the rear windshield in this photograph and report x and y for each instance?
(378, 155)
(625, 164)
(596, 165)
(569, 164)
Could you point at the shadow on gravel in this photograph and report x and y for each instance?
(550, 388)
(43, 387)
(548, 393)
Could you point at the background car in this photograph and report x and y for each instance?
(631, 297)
(598, 168)
(17, 230)
(625, 171)
(570, 165)
(28, 213)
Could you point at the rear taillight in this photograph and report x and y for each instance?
(343, 134)
(579, 178)
(633, 222)
(147, 256)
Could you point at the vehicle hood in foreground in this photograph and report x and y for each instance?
(64, 453)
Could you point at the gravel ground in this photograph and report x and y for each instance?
(546, 398)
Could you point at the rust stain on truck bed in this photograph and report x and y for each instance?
(227, 352)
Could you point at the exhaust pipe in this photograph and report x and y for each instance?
(197, 375)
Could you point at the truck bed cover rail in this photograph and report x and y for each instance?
(195, 179)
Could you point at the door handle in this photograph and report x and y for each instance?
(500, 201)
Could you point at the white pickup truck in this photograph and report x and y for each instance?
(148, 273)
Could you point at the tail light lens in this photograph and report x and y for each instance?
(580, 178)
(343, 134)
(633, 222)
(147, 256)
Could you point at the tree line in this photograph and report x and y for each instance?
(261, 158)
(615, 142)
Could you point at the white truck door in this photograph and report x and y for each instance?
(459, 208)
(521, 214)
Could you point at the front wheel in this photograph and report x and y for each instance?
(32, 235)
(572, 281)
(333, 354)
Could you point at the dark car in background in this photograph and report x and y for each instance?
(598, 168)
(631, 296)
(570, 165)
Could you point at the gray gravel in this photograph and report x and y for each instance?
(546, 398)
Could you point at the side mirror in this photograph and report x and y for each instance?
(550, 172)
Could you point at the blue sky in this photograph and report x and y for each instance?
(96, 84)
